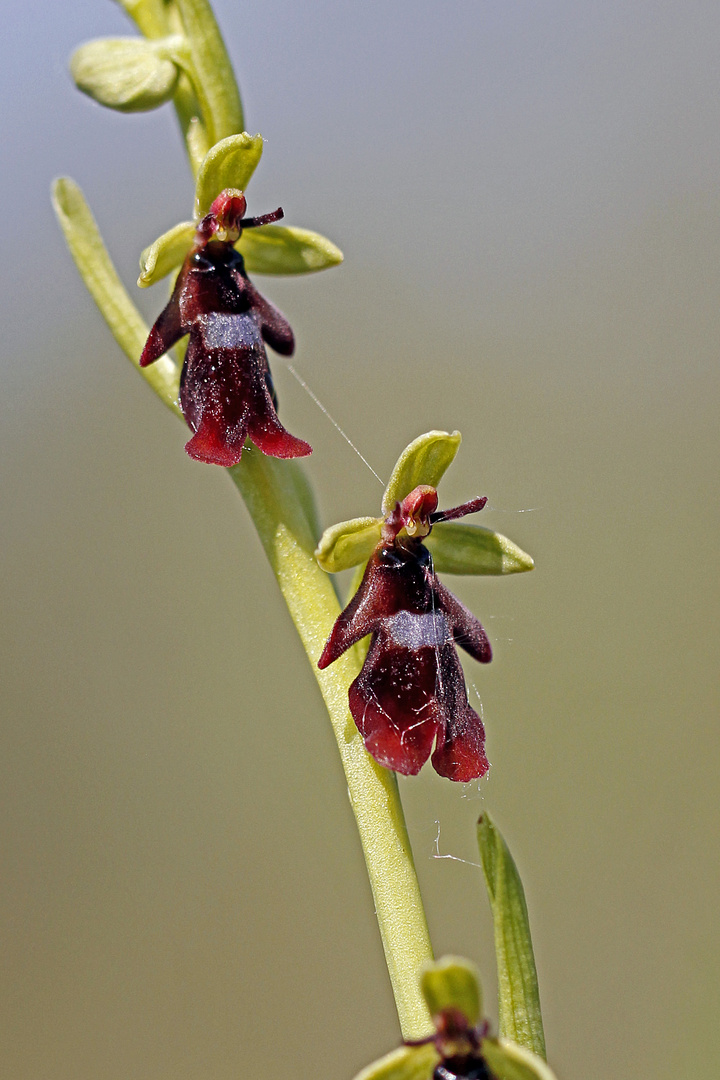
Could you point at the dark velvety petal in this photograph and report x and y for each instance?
(166, 332)
(467, 630)
(394, 706)
(460, 751)
(361, 617)
(394, 580)
(225, 395)
(274, 327)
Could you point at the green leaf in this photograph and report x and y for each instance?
(127, 74)
(405, 1063)
(457, 548)
(281, 249)
(424, 461)
(108, 292)
(452, 983)
(229, 164)
(214, 79)
(348, 543)
(519, 997)
(168, 251)
(507, 1061)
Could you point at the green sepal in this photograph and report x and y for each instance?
(424, 461)
(102, 281)
(348, 543)
(405, 1063)
(168, 252)
(281, 249)
(228, 164)
(127, 74)
(452, 983)
(457, 548)
(507, 1061)
(518, 994)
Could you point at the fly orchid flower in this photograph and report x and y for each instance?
(410, 693)
(460, 1047)
(226, 390)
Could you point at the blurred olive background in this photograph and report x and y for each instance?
(528, 196)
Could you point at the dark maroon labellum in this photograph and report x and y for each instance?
(411, 690)
(226, 390)
(468, 1068)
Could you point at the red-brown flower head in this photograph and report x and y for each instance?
(226, 389)
(411, 692)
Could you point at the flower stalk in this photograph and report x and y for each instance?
(184, 59)
(281, 505)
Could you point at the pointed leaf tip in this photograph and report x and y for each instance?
(518, 994)
(424, 461)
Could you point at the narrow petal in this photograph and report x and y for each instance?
(423, 462)
(467, 630)
(361, 617)
(166, 332)
(274, 327)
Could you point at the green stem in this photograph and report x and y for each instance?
(214, 81)
(270, 490)
(281, 505)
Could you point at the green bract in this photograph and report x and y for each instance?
(456, 548)
(452, 983)
(519, 999)
(128, 74)
(270, 249)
